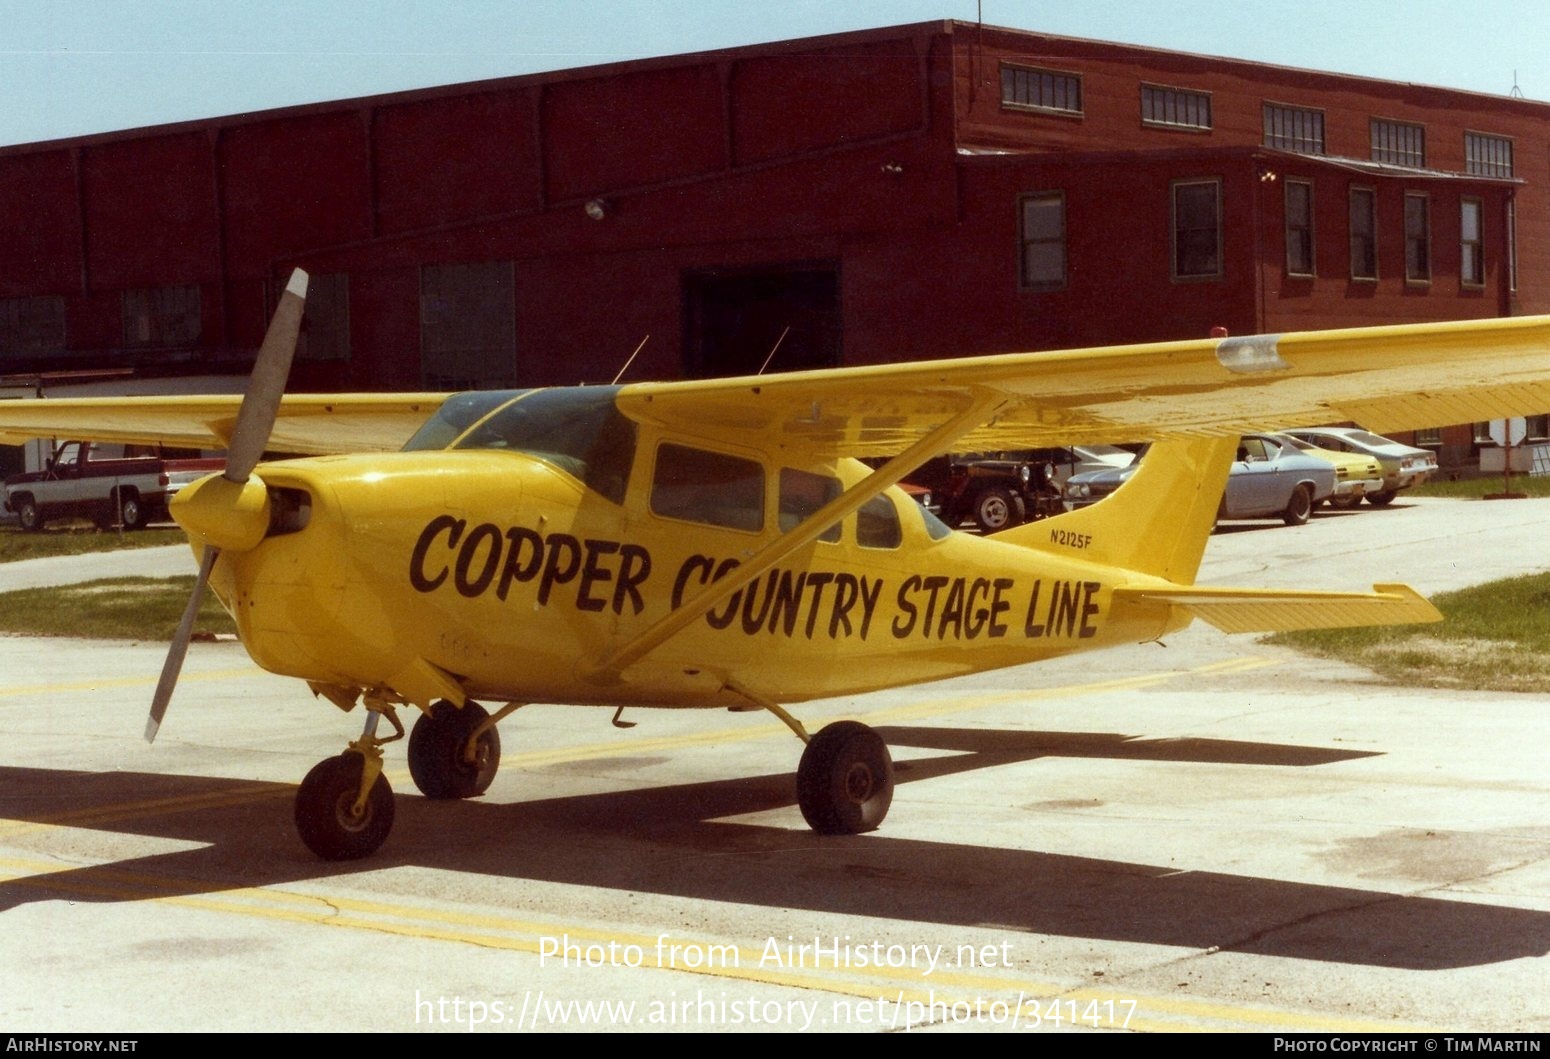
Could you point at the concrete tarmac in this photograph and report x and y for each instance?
(1215, 834)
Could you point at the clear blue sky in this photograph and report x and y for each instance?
(74, 67)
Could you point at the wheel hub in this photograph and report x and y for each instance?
(349, 818)
(858, 783)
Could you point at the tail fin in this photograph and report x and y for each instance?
(1157, 522)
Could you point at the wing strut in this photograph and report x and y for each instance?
(808, 530)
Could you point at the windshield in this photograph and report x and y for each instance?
(457, 414)
(578, 430)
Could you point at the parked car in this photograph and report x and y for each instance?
(1356, 474)
(995, 490)
(1270, 479)
(1403, 465)
(101, 482)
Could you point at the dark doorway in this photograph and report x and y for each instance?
(734, 318)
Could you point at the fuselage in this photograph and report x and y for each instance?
(518, 573)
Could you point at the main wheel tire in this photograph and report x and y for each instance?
(30, 515)
(1299, 507)
(436, 745)
(996, 509)
(131, 511)
(845, 780)
(325, 804)
(1382, 499)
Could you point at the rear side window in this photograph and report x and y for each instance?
(711, 488)
(801, 494)
(877, 524)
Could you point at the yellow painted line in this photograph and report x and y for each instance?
(123, 682)
(718, 960)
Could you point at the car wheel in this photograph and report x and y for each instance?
(996, 509)
(131, 512)
(29, 515)
(1382, 499)
(1299, 507)
(1345, 503)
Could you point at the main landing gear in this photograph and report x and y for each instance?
(845, 777)
(845, 780)
(344, 808)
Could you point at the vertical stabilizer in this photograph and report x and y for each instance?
(1156, 523)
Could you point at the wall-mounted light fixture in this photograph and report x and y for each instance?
(597, 209)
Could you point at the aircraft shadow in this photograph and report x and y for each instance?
(677, 841)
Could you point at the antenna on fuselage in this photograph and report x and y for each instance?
(771, 357)
(631, 360)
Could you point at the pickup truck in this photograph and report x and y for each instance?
(103, 483)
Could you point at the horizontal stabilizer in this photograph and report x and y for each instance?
(1275, 610)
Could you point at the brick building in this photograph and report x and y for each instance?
(921, 191)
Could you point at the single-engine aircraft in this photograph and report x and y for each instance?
(718, 543)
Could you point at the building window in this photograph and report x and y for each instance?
(1175, 108)
(1429, 436)
(1487, 156)
(32, 325)
(1294, 129)
(162, 316)
(1364, 233)
(1197, 229)
(1299, 228)
(468, 326)
(325, 330)
(1398, 143)
(1032, 89)
(1044, 240)
(1471, 249)
(1418, 238)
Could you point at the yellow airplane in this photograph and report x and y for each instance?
(717, 544)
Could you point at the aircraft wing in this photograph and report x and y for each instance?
(308, 424)
(1386, 378)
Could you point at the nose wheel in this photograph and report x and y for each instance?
(334, 820)
(344, 808)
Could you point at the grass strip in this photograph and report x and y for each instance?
(1493, 637)
(116, 608)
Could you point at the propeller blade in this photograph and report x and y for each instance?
(261, 404)
(174, 663)
(249, 438)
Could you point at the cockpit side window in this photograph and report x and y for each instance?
(708, 487)
(801, 494)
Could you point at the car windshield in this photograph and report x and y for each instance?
(578, 430)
